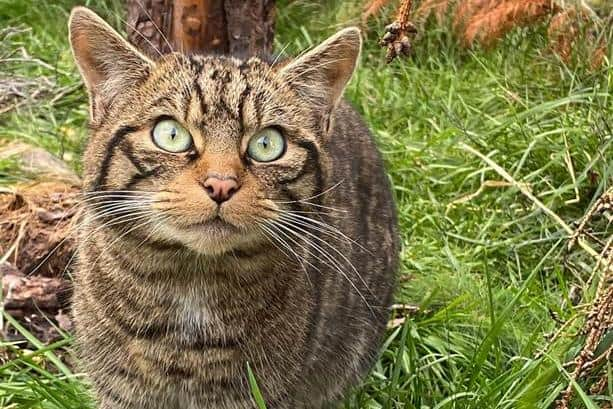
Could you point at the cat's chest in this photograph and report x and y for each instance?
(193, 313)
(200, 313)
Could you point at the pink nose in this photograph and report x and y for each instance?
(220, 190)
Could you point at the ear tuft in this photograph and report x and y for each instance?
(107, 62)
(322, 74)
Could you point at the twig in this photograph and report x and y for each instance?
(396, 37)
(406, 310)
(471, 196)
(523, 189)
(571, 170)
(555, 337)
(604, 202)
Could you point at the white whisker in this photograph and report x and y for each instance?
(116, 221)
(329, 260)
(121, 236)
(114, 208)
(304, 200)
(271, 235)
(320, 226)
(340, 254)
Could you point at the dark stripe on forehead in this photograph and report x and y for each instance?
(241, 105)
(164, 100)
(200, 96)
(110, 150)
(223, 78)
(259, 101)
(244, 95)
(198, 68)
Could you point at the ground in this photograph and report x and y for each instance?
(495, 157)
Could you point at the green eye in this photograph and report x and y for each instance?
(266, 146)
(171, 136)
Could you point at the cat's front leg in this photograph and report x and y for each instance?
(126, 392)
(134, 401)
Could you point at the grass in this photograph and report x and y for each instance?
(484, 264)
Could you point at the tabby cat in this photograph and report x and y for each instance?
(236, 212)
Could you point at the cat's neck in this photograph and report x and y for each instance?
(176, 263)
(231, 290)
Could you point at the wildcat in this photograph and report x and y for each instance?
(235, 212)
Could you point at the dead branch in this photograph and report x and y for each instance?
(397, 35)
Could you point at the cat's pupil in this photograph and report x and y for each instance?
(173, 133)
(264, 142)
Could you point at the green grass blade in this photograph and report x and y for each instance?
(255, 389)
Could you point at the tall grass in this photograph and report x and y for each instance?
(485, 265)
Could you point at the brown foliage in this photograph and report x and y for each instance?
(373, 7)
(573, 25)
(561, 33)
(490, 24)
(437, 8)
(397, 37)
(484, 22)
(465, 11)
(474, 21)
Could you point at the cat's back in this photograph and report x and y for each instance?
(364, 187)
(357, 267)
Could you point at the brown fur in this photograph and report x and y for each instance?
(293, 275)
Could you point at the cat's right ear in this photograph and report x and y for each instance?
(107, 62)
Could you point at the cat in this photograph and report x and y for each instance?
(236, 214)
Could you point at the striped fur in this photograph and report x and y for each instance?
(170, 303)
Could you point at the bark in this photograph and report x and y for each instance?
(148, 25)
(238, 27)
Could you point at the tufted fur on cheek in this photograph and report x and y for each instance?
(109, 65)
(321, 75)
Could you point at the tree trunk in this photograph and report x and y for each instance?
(237, 27)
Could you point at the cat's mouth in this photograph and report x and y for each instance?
(212, 236)
(214, 225)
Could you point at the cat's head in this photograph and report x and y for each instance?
(204, 151)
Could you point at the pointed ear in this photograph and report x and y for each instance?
(108, 63)
(321, 74)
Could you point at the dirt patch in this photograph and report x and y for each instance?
(36, 248)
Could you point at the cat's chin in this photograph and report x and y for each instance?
(209, 238)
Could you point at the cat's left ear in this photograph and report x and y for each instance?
(322, 74)
(108, 64)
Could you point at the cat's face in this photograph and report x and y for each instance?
(204, 151)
